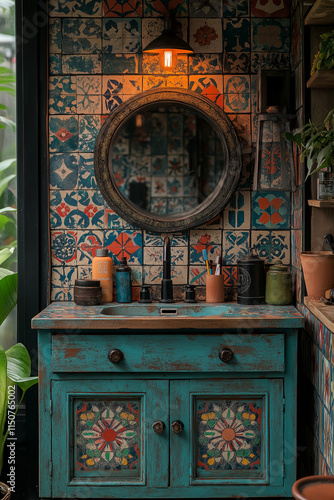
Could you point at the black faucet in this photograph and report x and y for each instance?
(167, 283)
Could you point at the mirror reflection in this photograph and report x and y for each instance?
(167, 159)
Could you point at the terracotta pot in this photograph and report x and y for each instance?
(318, 268)
(314, 488)
(4, 492)
(215, 288)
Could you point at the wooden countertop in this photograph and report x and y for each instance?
(323, 312)
(67, 315)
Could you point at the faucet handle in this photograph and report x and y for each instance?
(145, 295)
(190, 294)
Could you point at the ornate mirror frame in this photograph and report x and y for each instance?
(208, 209)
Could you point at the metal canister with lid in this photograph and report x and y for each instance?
(279, 285)
(251, 280)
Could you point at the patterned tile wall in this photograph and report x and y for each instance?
(96, 63)
(317, 388)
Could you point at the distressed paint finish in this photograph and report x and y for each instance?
(261, 352)
(230, 315)
(168, 376)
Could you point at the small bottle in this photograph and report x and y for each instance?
(123, 282)
(102, 270)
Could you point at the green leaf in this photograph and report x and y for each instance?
(5, 253)
(3, 221)
(7, 163)
(8, 292)
(6, 121)
(4, 182)
(7, 209)
(19, 367)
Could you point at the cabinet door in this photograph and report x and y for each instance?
(102, 437)
(233, 432)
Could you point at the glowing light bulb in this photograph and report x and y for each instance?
(168, 59)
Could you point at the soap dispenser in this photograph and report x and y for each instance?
(123, 282)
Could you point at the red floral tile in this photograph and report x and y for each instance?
(119, 8)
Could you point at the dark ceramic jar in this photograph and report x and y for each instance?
(251, 280)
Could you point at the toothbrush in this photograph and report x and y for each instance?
(205, 257)
(218, 260)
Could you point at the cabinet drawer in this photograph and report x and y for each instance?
(168, 353)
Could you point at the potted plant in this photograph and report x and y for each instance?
(324, 59)
(317, 146)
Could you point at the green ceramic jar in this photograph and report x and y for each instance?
(278, 285)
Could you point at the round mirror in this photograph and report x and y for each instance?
(167, 160)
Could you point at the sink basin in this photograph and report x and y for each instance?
(166, 310)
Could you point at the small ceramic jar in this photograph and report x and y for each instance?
(279, 285)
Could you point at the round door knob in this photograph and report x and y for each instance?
(158, 427)
(177, 426)
(225, 355)
(115, 355)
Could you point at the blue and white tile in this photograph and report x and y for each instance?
(64, 170)
(200, 64)
(112, 220)
(179, 275)
(62, 85)
(177, 239)
(63, 209)
(91, 209)
(269, 60)
(63, 248)
(62, 294)
(82, 64)
(137, 275)
(270, 35)
(237, 214)
(61, 8)
(88, 8)
(272, 245)
(197, 275)
(62, 104)
(152, 275)
(237, 62)
(55, 64)
(235, 245)
(63, 277)
(63, 133)
(84, 272)
(205, 8)
(89, 85)
(239, 8)
(86, 174)
(82, 28)
(89, 127)
(120, 63)
(55, 38)
(236, 35)
(89, 104)
(82, 46)
(88, 243)
(209, 240)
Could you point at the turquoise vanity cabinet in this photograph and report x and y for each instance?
(163, 412)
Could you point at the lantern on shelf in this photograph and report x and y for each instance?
(274, 165)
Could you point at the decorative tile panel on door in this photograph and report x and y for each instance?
(171, 419)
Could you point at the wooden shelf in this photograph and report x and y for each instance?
(322, 13)
(321, 203)
(321, 79)
(321, 311)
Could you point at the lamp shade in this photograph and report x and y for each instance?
(168, 40)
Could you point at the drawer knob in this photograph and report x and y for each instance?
(177, 426)
(225, 355)
(115, 355)
(158, 427)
